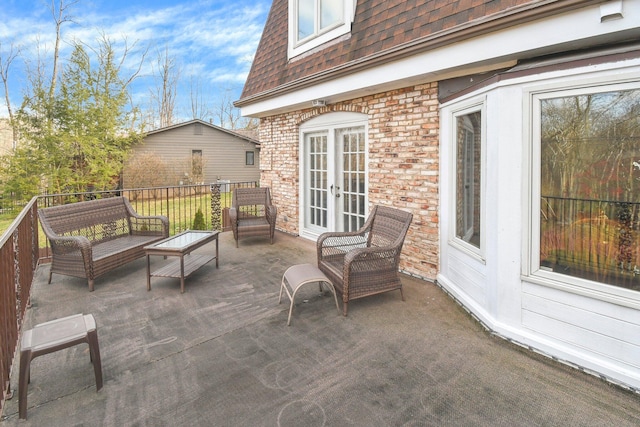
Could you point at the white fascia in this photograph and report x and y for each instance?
(577, 29)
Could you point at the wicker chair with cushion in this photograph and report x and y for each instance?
(252, 213)
(365, 262)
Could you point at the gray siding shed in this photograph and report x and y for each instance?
(224, 153)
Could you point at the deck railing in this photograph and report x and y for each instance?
(20, 249)
(18, 261)
(179, 203)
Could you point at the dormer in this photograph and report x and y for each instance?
(315, 22)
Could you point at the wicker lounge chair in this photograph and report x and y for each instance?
(252, 213)
(365, 262)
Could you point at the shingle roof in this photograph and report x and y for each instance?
(380, 26)
(250, 136)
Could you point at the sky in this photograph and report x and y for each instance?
(212, 41)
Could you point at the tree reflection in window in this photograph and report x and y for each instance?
(590, 186)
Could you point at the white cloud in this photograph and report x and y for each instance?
(215, 40)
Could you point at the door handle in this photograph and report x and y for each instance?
(337, 189)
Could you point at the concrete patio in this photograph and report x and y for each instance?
(221, 355)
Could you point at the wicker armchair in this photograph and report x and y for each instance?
(365, 262)
(252, 213)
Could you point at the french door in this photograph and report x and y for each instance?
(334, 188)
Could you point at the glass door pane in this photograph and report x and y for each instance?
(353, 185)
(317, 174)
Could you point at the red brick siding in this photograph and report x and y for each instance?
(403, 164)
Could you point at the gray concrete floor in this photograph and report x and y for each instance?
(221, 355)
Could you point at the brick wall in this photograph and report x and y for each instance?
(403, 164)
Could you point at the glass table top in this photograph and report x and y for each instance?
(183, 239)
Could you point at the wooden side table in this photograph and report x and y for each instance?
(53, 336)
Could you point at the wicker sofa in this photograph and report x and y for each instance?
(365, 262)
(89, 239)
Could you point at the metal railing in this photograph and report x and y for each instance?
(593, 239)
(179, 203)
(20, 249)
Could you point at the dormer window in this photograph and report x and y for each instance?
(315, 22)
(317, 16)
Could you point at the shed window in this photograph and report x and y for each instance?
(249, 157)
(196, 164)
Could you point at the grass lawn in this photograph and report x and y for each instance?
(5, 221)
(181, 212)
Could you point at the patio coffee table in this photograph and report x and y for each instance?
(181, 245)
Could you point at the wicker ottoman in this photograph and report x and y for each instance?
(299, 275)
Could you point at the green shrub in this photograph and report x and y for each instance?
(198, 221)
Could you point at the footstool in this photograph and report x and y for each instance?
(299, 275)
(53, 336)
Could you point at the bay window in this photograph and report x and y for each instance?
(468, 167)
(589, 184)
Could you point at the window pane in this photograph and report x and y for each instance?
(590, 186)
(196, 165)
(353, 173)
(331, 13)
(468, 150)
(305, 18)
(249, 158)
(316, 178)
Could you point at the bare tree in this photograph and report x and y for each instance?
(228, 116)
(59, 11)
(5, 64)
(164, 94)
(199, 107)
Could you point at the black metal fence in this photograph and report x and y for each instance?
(593, 239)
(178, 203)
(20, 242)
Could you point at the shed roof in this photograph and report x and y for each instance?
(247, 136)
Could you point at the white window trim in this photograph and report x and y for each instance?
(531, 270)
(469, 106)
(296, 48)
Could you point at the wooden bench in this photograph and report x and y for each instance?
(89, 239)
